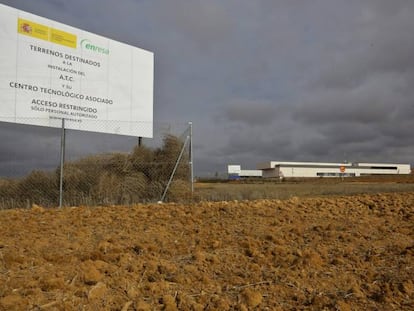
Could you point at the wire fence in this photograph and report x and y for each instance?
(142, 170)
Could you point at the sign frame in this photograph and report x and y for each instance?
(50, 71)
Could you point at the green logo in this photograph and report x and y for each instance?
(87, 44)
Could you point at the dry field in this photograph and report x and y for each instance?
(305, 187)
(323, 253)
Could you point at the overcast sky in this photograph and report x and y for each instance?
(303, 80)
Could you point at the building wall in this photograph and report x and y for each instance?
(307, 171)
(311, 169)
(233, 169)
(400, 168)
(235, 172)
(273, 164)
(270, 173)
(251, 173)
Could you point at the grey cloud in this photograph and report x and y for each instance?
(25, 148)
(375, 101)
(345, 133)
(380, 41)
(262, 80)
(250, 112)
(399, 132)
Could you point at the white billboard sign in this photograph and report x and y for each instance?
(50, 71)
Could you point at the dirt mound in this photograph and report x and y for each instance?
(340, 253)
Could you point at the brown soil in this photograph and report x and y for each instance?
(338, 253)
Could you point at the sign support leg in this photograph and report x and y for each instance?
(62, 163)
(191, 158)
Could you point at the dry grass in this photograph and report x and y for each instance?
(242, 190)
(104, 179)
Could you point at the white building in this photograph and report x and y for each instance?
(278, 169)
(235, 172)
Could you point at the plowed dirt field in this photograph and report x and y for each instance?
(337, 253)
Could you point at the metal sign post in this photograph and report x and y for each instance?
(191, 158)
(175, 168)
(62, 163)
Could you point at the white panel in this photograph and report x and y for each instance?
(233, 169)
(50, 71)
(251, 173)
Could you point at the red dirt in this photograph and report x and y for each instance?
(339, 253)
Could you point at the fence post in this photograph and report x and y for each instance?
(191, 158)
(175, 168)
(62, 162)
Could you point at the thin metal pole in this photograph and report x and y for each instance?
(191, 158)
(62, 162)
(175, 168)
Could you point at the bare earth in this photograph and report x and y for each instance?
(338, 253)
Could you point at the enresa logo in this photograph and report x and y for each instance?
(87, 44)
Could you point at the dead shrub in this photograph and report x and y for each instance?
(107, 179)
(179, 191)
(39, 187)
(134, 188)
